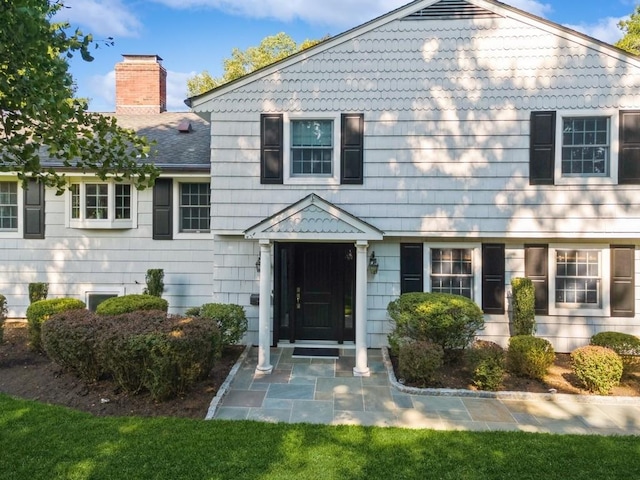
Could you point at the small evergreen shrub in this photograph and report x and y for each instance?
(38, 291)
(529, 356)
(487, 362)
(598, 368)
(230, 319)
(71, 339)
(40, 311)
(451, 321)
(419, 362)
(3, 315)
(625, 345)
(524, 306)
(155, 282)
(131, 303)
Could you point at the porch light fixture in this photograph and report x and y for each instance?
(373, 264)
(258, 264)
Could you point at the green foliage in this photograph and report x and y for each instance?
(487, 362)
(271, 49)
(155, 282)
(524, 306)
(38, 291)
(230, 319)
(131, 303)
(625, 345)
(419, 362)
(40, 116)
(631, 28)
(40, 311)
(71, 339)
(451, 321)
(529, 356)
(599, 368)
(192, 312)
(3, 316)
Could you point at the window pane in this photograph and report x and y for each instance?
(75, 200)
(8, 205)
(123, 201)
(585, 146)
(311, 147)
(194, 207)
(577, 277)
(97, 200)
(451, 271)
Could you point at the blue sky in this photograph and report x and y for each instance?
(196, 35)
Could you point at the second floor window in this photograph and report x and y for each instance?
(8, 206)
(585, 146)
(312, 147)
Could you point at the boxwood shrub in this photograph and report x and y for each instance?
(3, 315)
(598, 368)
(131, 303)
(625, 345)
(523, 296)
(230, 319)
(419, 362)
(487, 363)
(529, 356)
(451, 321)
(40, 311)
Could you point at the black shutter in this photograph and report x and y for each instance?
(542, 148)
(162, 209)
(411, 267)
(623, 300)
(352, 149)
(271, 149)
(536, 266)
(33, 210)
(493, 278)
(629, 153)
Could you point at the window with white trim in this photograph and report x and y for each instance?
(585, 146)
(454, 269)
(312, 145)
(8, 206)
(195, 209)
(102, 205)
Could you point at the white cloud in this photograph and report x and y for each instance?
(605, 29)
(337, 13)
(102, 91)
(107, 18)
(531, 6)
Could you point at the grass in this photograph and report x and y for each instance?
(39, 441)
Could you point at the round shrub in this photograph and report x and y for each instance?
(529, 356)
(451, 321)
(598, 368)
(487, 362)
(230, 319)
(71, 339)
(419, 362)
(131, 303)
(625, 345)
(40, 311)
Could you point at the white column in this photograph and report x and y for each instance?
(264, 322)
(361, 369)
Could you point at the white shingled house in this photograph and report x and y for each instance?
(449, 146)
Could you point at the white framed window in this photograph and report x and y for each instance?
(587, 147)
(454, 268)
(312, 149)
(9, 206)
(578, 280)
(109, 204)
(195, 207)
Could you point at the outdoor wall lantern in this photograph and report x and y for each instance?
(258, 264)
(373, 264)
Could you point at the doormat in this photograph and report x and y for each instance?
(302, 352)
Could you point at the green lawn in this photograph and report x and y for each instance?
(44, 442)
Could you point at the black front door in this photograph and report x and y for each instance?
(315, 284)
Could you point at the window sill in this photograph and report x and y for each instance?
(578, 311)
(585, 181)
(102, 224)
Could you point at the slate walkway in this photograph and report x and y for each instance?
(324, 391)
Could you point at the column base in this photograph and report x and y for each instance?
(264, 370)
(361, 373)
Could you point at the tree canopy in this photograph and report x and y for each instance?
(271, 49)
(39, 117)
(631, 28)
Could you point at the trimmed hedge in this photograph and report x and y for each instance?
(40, 311)
(131, 303)
(529, 356)
(230, 319)
(419, 362)
(144, 350)
(625, 345)
(3, 315)
(487, 362)
(598, 368)
(523, 296)
(451, 321)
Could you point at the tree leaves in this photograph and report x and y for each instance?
(631, 28)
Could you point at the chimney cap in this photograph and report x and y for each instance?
(128, 57)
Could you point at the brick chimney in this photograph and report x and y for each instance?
(141, 85)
